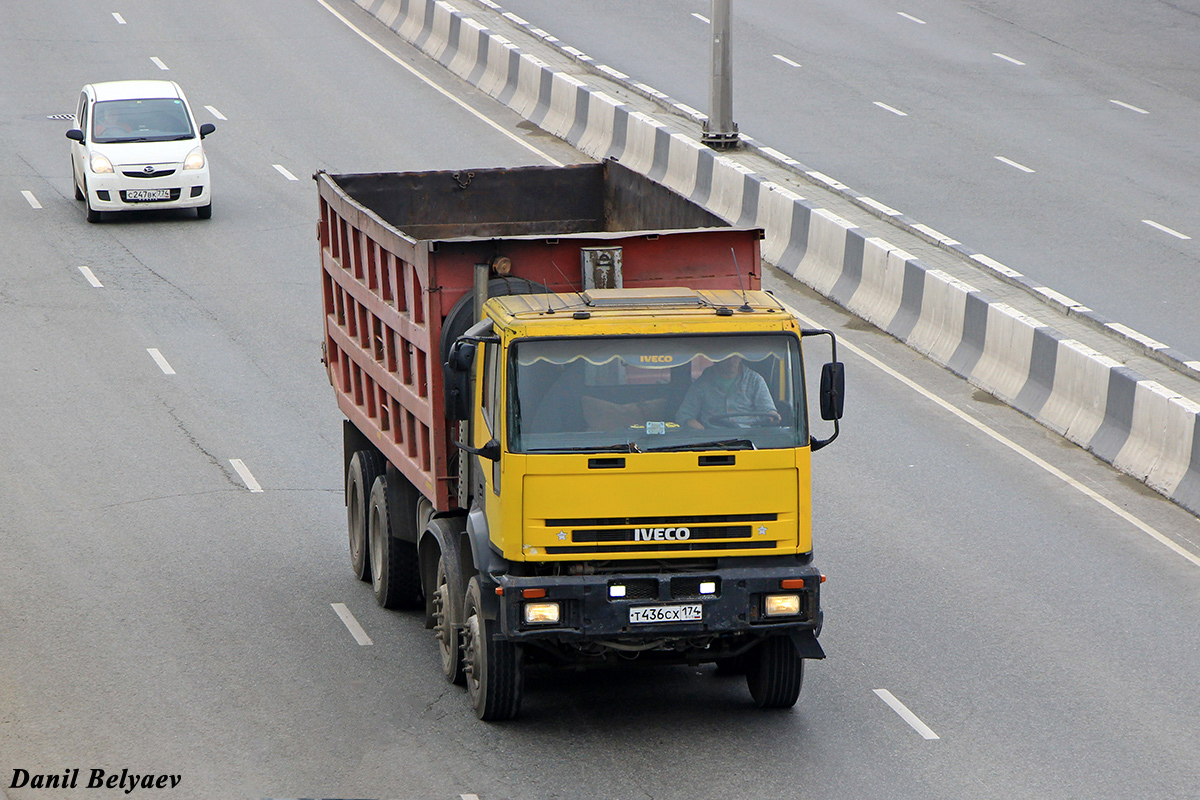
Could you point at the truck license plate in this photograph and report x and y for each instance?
(692, 612)
(143, 195)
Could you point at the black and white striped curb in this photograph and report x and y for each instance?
(1135, 424)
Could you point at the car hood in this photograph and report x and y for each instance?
(141, 153)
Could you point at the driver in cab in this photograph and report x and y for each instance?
(722, 393)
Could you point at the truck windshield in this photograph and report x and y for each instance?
(646, 393)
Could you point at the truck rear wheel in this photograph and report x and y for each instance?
(394, 572)
(774, 673)
(365, 467)
(449, 636)
(493, 668)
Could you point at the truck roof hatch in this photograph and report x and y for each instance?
(656, 296)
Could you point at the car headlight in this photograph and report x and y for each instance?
(782, 605)
(195, 159)
(101, 164)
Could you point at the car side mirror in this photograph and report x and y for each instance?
(206, 129)
(833, 390)
(75, 135)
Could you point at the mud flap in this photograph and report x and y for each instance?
(806, 644)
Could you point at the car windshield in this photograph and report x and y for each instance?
(151, 120)
(646, 393)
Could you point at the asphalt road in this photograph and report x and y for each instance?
(1058, 138)
(158, 616)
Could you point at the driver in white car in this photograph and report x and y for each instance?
(725, 390)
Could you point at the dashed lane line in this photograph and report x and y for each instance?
(283, 171)
(1012, 163)
(906, 715)
(91, 277)
(911, 18)
(895, 111)
(215, 113)
(786, 60)
(244, 473)
(702, 18)
(162, 362)
(33, 201)
(1009, 59)
(158, 63)
(1165, 229)
(120, 20)
(1131, 108)
(352, 625)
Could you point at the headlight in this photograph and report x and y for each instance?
(541, 613)
(195, 159)
(782, 605)
(101, 164)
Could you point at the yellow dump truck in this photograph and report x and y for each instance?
(576, 430)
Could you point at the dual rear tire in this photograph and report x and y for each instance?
(374, 512)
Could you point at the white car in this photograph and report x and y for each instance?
(137, 147)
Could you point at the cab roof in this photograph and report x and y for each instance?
(639, 302)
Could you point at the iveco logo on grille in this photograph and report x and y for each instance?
(661, 534)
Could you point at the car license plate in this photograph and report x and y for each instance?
(142, 195)
(692, 612)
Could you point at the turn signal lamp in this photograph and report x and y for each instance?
(782, 605)
(533, 594)
(541, 613)
(791, 583)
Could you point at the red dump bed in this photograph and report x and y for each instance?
(398, 253)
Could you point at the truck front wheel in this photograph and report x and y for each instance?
(494, 669)
(774, 673)
(365, 467)
(394, 573)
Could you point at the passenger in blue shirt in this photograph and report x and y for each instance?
(727, 387)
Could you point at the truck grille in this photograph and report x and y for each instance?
(642, 547)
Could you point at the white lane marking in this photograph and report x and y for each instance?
(214, 112)
(120, 20)
(1131, 108)
(440, 90)
(91, 277)
(895, 111)
(1165, 229)
(911, 17)
(158, 63)
(1012, 163)
(351, 623)
(1009, 59)
(283, 171)
(158, 359)
(1000, 438)
(468, 797)
(905, 714)
(702, 18)
(786, 60)
(244, 473)
(28, 195)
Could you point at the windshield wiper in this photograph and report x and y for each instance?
(720, 444)
(621, 447)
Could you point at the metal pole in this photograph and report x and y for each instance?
(720, 131)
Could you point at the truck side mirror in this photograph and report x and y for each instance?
(833, 390)
(75, 135)
(457, 374)
(462, 356)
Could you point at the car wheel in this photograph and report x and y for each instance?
(204, 212)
